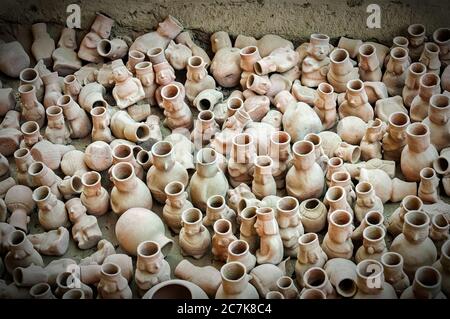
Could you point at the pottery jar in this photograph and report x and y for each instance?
(198, 79)
(325, 105)
(176, 289)
(225, 67)
(317, 278)
(77, 120)
(287, 287)
(100, 124)
(309, 255)
(366, 200)
(430, 58)
(321, 157)
(122, 153)
(52, 89)
(371, 142)
(413, 244)
(165, 169)
(145, 74)
(127, 90)
(247, 231)
(342, 275)
(305, 179)
(417, 37)
(94, 197)
(420, 105)
(371, 283)
(344, 180)
(418, 153)
(207, 278)
(299, 120)
(427, 284)
(393, 271)
(72, 86)
(194, 238)
(412, 83)
(216, 208)
(369, 65)
(65, 59)
(290, 224)
(235, 283)
(356, 102)
(20, 203)
(123, 126)
(42, 175)
(438, 121)
(241, 163)
(337, 242)
(21, 252)
(112, 49)
(100, 29)
(98, 156)
(238, 250)
(394, 140)
(177, 112)
(280, 153)
(313, 215)
(374, 245)
(176, 203)
(205, 128)
(271, 245)
(395, 75)
(91, 95)
(185, 38)
(341, 70)
(315, 65)
(222, 238)
(443, 266)
(151, 268)
(53, 242)
(428, 186)
(442, 38)
(134, 57)
(263, 182)
(371, 218)
(31, 134)
(336, 198)
(56, 130)
(178, 55)
(41, 290)
(439, 231)
(32, 76)
(112, 284)
(129, 191)
(52, 212)
(32, 109)
(50, 154)
(208, 180)
(334, 164)
(396, 220)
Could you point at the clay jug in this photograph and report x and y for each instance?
(222, 238)
(366, 200)
(235, 283)
(337, 242)
(341, 70)
(271, 246)
(374, 245)
(438, 121)
(241, 163)
(290, 224)
(176, 203)
(100, 124)
(280, 152)
(79, 124)
(396, 220)
(309, 255)
(430, 84)
(393, 271)
(239, 250)
(394, 140)
(356, 102)
(247, 231)
(299, 120)
(198, 79)
(194, 238)
(427, 284)
(371, 283)
(263, 182)
(52, 212)
(396, 70)
(32, 109)
(342, 274)
(443, 266)
(21, 252)
(412, 83)
(325, 105)
(112, 284)
(313, 214)
(369, 65)
(317, 278)
(94, 196)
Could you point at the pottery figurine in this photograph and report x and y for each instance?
(194, 238)
(100, 29)
(316, 64)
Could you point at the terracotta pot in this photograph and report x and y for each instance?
(41, 290)
(52, 213)
(317, 278)
(20, 203)
(53, 89)
(412, 83)
(32, 76)
(112, 49)
(271, 245)
(65, 282)
(439, 231)
(356, 102)
(420, 105)
(176, 289)
(396, 70)
(85, 229)
(341, 70)
(396, 220)
(298, 129)
(123, 126)
(279, 60)
(100, 124)
(207, 278)
(441, 166)
(334, 164)
(164, 170)
(247, 230)
(183, 149)
(13, 58)
(241, 163)
(310, 254)
(279, 151)
(94, 197)
(342, 275)
(325, 105)
(194, 238)
(442, 265)
(91, 95)
(104, 249)
(185, 38)
(369, 65)
(315, 65)
(205, 129)
(216, 208)
(366, 200)
(127, 90)
(427, 284)
(343, 179)
(442, 37)
(112, 284)
(32, 109)
(286, 286)
(52, 243)
(145, 74)
(263, 182)
(74, 294)
(238, 250)
(176, 203)
(438, 120)
(371, 218)
(222, 238)
(72, 86)
(21, 252)
(65, 59)
(430, 58)
(371, 142)
(290, 224)
(79, 124)
(42, 175)
(56, 130)
(393, 271)
(225, 67)
(337, 242)
(336, 198)
(418, 153)
(176, 110)
(123, 153)
(31, 134)
(50, 154)
(374, 245)
(134, 57)
(43, 45)
(264, 277)
(394, 140)
(371, 283)
(351, 129)
(249, 56)
(100, 29)
(428, 186)
(198, 79)
(23, 160)
(266, 44)
(313, 214)
(235, 283)
(98, 156)
(151, 268)
(413, 244)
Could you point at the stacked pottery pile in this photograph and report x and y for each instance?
(307, 144)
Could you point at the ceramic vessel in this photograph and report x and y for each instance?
(356, 102)
(438, 121)
(313, 214)
(41, 175)
(366, 200)
(222, 238)
(65, 59)
(396, 220)
(176, 203)
(441, 37)
(325, 105)
(123, 126)
(207, 278)
(32, 109)
(112, 284)
(176, 110)
(31, 134)
(394, 140)
(369, 65)
(235, 283)
(194, 238)
(100, 29)
(263, 182)
(342, 275)
(337, 242)
(420, 105)
(290, 224)
(299, 120)
(52, 212)
(395, 76)
(427, 284)
(94, 197)
(19, 202)
(21, 252)
(428, 186)
(417, 37)
(271, 245)
(341, 70)
(51, 243)
(309, 255)
(198, 79)
(368, 273)
(77, 120)
(127, 90)
(241, 163)
(238, 250)
(374, 245)
(315, 65)
(317, 278)
(50, 154)
(13, 58)
(56, 131)
(442, 265)
(393, 271)
(98, 156)
(43, 45)
(247, 231)
(216, 208)
(412, 83)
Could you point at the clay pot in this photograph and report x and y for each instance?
(286, 286)
(373, 246)
(123, 126)
(91, 95)
(351, 129)
(52, 89)
(235, 283)
(342, 275)
(441, 166)
(299, 120)
(343, 179)
(41, 175)
(317, 278)
(164, 170)
(205, 129)
(79, 124)
(315, 65)
(279, 151)
(336, 198)
(442, 265)
(442, 36)
(216, 208)
(222, 238)
(194, 238)
(112, 284)
(395, 75)
(279, 60)
(225, 67)
(134, 57)
(356, 102)
(428, 186)
(151, 268)
(183, 149)
(185, 38)
(66, 280)
(178, 114)
(310, 254)
(72, 86)
(271, 245)
(129, 191)
(207, 278)
(41, 290)
(20, 203)
(94, 196)
(413, 244)
(313, 214)
(396, 220)
(430, 58)
(393, 271)
(100, 124)
(241, 163)
(371, 142)
(337, 242)
(305, 179)
(427, 284)
(176, 289)
(418, 153)
(178, 55)
(123, 153)
(52, 213)
(65, 59)
(32, 110)
(334, 165)
(341, 70)
(263, 182)
(429, 86)
(439, 230)
(43, 45)
(394, 140)
(370, 281)
(366, 200)
(290, 224)
(52, 243)
(50, 154)
(56, 130)
(21, 252)
(32, 76)
(146, 75)
(98, 156)
(371, 218)
(13, 58)
(369, 65)
(137, 225)
(247, 230)
(112, 49)
(412, 83)
(198, 79)
(176, 203)
(104, 249)
(264, 277)
(325, 105)
(238, 250)
(100, 29)
(127, 90)
(73, 164)
(438, 120)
